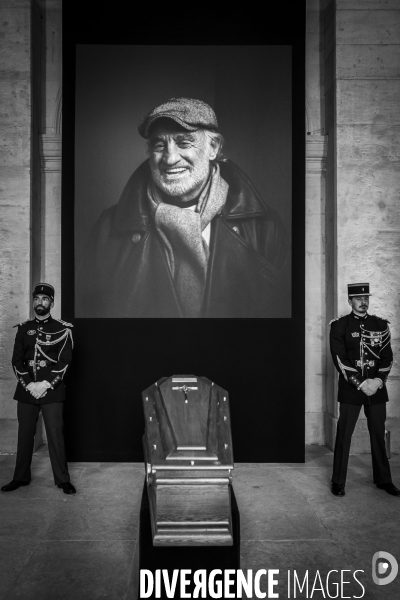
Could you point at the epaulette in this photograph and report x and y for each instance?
(337, 319)
(64, 322)
(381, 318)
(23, 323)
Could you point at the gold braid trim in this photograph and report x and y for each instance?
(60, 339)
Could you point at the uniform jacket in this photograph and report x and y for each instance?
(42, 352)
(124, 270)
(360, 348)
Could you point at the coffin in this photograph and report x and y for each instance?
(189, 461)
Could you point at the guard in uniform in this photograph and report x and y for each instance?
(361, 352)
(41, 357)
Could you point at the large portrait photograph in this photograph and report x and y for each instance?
(183, 181)
(183, 230)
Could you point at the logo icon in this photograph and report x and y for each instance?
(385, 564)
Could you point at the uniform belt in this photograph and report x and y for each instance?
(39, 363)
(367, 363)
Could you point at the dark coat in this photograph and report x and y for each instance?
(351, 341)
(45, 361)
(124, 270)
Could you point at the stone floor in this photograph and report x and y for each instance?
(82, 547)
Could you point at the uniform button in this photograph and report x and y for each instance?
(136, 238)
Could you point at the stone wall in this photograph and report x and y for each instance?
(15, 196)
(353, 177)
(30, 176)
(367, 174)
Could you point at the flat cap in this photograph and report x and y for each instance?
(190, 113)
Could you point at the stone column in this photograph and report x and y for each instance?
(15, 197)
(329, 88)
(50, 148)
(366, 111)
(315, 368)
(30, 173)
(316, 142)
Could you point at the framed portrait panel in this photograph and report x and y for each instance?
(129, 328)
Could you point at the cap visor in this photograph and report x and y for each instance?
(172, 118)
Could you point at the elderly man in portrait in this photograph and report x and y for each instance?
(190, 236)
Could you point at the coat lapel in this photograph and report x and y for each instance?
(239, 280)
(142, 286)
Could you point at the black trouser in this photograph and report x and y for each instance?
(28, 415)
(376, 417)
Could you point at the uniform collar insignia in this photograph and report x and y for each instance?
(358, 316)
(43, 320)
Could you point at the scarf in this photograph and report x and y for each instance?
(180, 230)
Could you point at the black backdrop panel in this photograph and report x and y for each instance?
(259, 362)
(116, 359)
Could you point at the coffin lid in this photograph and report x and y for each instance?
(187, 424)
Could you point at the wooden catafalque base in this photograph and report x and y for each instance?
(189, 461)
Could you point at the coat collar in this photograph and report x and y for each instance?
(132, 211)
(358, 316)
(43, 321)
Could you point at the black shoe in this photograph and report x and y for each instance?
(67, 488)
(338, 489)
(390, 488)
(13, 485)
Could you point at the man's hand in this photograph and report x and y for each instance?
(370, 386)
(37, 389)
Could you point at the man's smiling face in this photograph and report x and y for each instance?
(180, 159)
